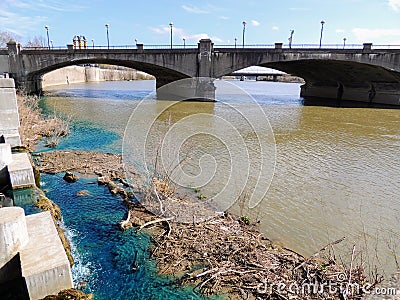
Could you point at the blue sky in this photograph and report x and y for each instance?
(268, 21)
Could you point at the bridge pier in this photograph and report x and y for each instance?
(376, 93)
(192, 89)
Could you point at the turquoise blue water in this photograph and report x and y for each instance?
(103, 254)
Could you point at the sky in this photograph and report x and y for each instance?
(267, 21)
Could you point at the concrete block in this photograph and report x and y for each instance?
(13, 139)
(9, 119)
(7, 83)
(5, 154)
(13, 232)
(8, 100)
(44, 263)
(20, 171)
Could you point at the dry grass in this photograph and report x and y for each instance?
(35, 127)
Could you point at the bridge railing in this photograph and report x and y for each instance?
(88, 47)
(226, 46)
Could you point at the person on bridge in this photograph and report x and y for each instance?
(84, 42)
(74, 41)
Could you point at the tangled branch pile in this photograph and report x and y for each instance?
(102, 164)
(225, 255)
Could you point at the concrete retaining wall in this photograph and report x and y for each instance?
(80, 74)
(43, 266)
(9, 117)
(13, 232)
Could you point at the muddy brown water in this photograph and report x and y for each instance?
(337, 170)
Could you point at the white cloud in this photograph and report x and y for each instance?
(56, 5)
(224, 18)
(13, 14)
(19, 24)
(194, 9)
(340, 31)
(368, 35)
(275, 28)
(181, 33)
(394, 4)
(255, 23)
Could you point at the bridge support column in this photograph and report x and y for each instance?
(16, 70)
(376, 93)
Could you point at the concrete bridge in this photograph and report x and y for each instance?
(345, 74)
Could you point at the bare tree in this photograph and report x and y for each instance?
(37, 41)
(6, 36)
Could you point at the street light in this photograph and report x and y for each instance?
(235, 41)
(108, 38)
(244, 30)
(184, 43)
(93, 43)
(322, 30)
(171, 25)
(48, 39)
(291, 38)
(344, 42)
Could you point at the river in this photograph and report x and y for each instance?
(336, 172)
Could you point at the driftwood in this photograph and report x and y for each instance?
(124, 223)
(225, 255)
(154, 222)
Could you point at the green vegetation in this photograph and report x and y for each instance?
(245, 220)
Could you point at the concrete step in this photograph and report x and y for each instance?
(20, 171)
(12, 138)
(44, 263)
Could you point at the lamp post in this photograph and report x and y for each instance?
(184, 43)
(322, 30)
(93, 43)
(51, 43)
(344, 42)
(48, 39)
(171, 25)
(291, 38)
(244, 30)
(235, 41)
(108, 38)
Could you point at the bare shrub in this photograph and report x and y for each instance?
(34, 126)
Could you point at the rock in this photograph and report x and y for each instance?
(70, 177)
(83, 193)
(70, 294)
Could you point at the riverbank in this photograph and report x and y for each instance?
(91, 73)
(33, 128)
(224, 254)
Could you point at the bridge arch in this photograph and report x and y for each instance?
(342, 75)
(163, 75)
